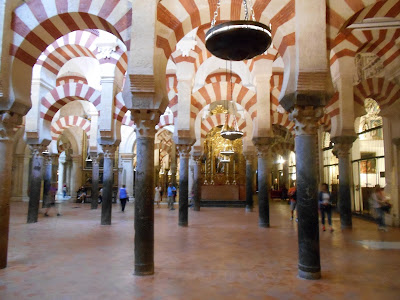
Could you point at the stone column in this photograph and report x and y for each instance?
(36, 182)
(285, 169)
(6, 151)
(173, 165)
(144, 196)
(396, 181)
(48, 171)
(77, 171)
(342, 149)
(95, 180)
(184, 154)
(249, 181)
(108, 179)
(68, 180)
(197, 183)
(305, 119)
(61, 164)
(263, 144)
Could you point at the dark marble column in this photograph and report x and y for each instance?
(184, 154)
(144, 197)
(36, 182)
(6, 154)
(285, 169)
(249, 181)
(197, 183)
(263, 144)
(95, 180)
(307, 190)
(108, 180)
(342, 149)
(173, 165)
(48, 170)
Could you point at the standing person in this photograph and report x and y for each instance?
(171, 192)
(292, 193)
(284, 194)
(123, 197)
(100, 196)
(379, 205)
(157, 197)
(52, 202)
(64, 190)
(325, 206)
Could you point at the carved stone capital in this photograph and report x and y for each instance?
(37, 150)
(342, 145)
(184, 150)
(249, 157)
(8, 121)
(95, 160)
(263, 145)
(306, 119)
(145, 121)
(109, 150)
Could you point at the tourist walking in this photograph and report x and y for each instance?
(171, 193)
(52, 203)
(379, 206)
(157, 197)
(292, 193)
(325, 206)
(123, 197)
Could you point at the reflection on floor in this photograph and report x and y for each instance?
(223, 254)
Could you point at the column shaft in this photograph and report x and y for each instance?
(197, 185)
(144, 207)
(6, 148)
(183, 184)
(95, 181)
(48, 170)
(108, 179)
(263, 191)
(36, 183)
(249, 184)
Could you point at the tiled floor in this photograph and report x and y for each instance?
(223, 254)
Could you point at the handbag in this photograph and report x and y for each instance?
(386, 207)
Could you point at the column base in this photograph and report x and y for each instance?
(144, 270)
(263, 225)
(196, 208)
(249, 208)
(105, 223)
(309, 275)
(346, 227)
(183, 224)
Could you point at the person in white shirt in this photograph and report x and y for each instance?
(325, 206)
(157, 197)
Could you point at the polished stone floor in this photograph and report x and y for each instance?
(223, 254)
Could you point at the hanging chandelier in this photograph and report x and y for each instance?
(240, 39)
(228, 149)
(225, 159)
(227, 132)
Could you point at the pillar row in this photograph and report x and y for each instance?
(197, 183)
(249, 181)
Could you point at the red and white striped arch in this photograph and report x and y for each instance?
(326, 122)
(166, 120)
(345, 12)
(172, 90)
(71, 79)
(332, 108)
(384, 92)
(64, 94)
(282, 120)
(176, 18)
(119, 108)
(38, 23)
(69, 121)
(222, 91)
(276, 87)
(223, 76)
(218, 120)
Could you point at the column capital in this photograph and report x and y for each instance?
(249, 157)
(8, 121)
(342, 145)
(109, 150)
(184, 150)
(48, 160)
(37, 149)
(145, 121)
(263, 144)
(305, 119)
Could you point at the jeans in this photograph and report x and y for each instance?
(326, 209)
(170, 202)
(380, 217)
(123, 203)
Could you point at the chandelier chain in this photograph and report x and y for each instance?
(216, 14)
(246, 10)
(253, 17)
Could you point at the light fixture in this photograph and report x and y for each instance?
(225, 159)
(280, 160)
(88, 158)
(228, 149)
(46, 151)
(240, 39)
(227, 132)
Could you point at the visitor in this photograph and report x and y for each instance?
(100, 196)
(52, 202)
(292, 193)
(123, 197)
(171, 193)
(325, 206)
(81, 195)
(380, 206)
(64, 190)
(284, 194)
(157, 197)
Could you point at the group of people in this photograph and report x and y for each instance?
(377, 201)
(171, 193)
